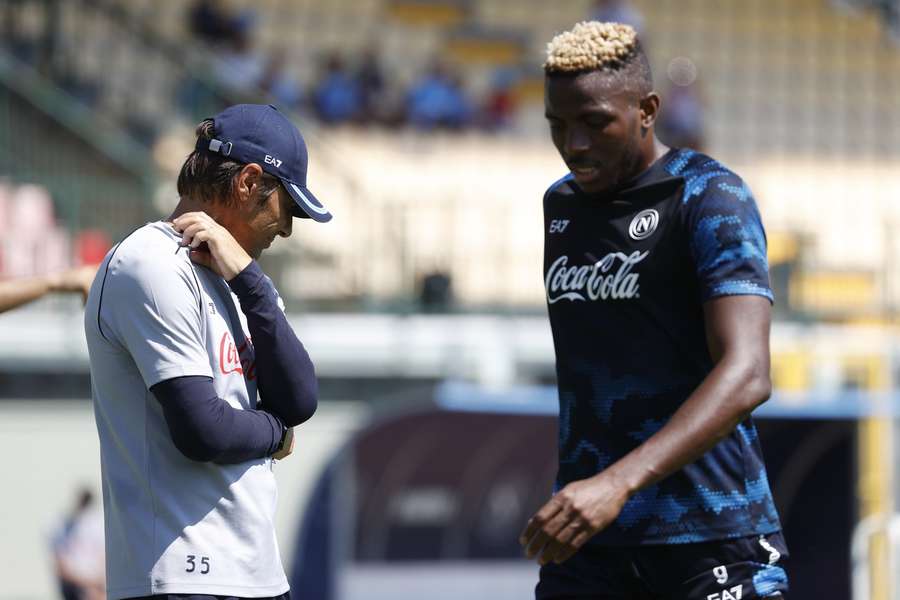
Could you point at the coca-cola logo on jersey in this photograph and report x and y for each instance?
(609, 278)
(236, 359)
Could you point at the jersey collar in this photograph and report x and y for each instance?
(655, 174)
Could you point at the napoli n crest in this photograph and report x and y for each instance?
(643, 224)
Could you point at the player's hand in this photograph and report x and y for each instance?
(288, 445)
(211, 245)
(74, 280)
(573, 516)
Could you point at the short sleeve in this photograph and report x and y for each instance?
(153, 310)
(727, 239)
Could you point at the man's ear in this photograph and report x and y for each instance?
(649, 110)
(247, 182)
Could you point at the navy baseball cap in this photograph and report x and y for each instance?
(258, 133)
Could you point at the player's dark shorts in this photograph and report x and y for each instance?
(738, 569)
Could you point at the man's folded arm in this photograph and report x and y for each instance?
(206, 428)
(285, 374)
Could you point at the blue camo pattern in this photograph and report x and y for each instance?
(769, 580)
(728, 240)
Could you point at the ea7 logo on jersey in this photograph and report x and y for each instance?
(558, 225)
(643, 224)
(271, 160)
(735, 593)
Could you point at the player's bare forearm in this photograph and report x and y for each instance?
(738, 339)
(17, 292)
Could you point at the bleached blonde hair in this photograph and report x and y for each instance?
(596, 46)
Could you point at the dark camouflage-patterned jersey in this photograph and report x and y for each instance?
(626, 277)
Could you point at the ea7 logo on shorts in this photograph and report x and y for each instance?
(735, 593)
(558, 225)
(271, 160)
(643, 224)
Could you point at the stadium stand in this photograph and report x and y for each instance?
(798, 96)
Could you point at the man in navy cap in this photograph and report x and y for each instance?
(183, 330)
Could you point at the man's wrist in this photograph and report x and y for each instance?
(237, 265)
(284, 436)
(246, 280)
(286, 445)
(623, 478)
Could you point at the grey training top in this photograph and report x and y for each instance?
(174, 525)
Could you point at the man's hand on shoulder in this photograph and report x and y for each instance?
(211, 245)
(574, 515)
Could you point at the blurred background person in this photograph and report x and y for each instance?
(338, 96)
(681, 119)
(16, 292)
(437, 99)
(500, 105)
(279, 83)
(211, 22)
(371, 80)
(239, 65)
(78, 553)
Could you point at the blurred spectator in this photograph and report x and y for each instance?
(239, 66)
(278, 83)
(500, 104)
(78, 552)
(370, 79)
(16, 292)
(618, 11)
(680, 122)
(337, 97)
(211, 22)
(438, 100)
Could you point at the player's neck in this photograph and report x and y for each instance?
(645, 161)
(653, 154)
(659, 150)
(186, 205)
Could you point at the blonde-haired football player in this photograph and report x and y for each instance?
(659, 301)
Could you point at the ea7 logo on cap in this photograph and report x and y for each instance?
(271, 160)
(643, 224)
